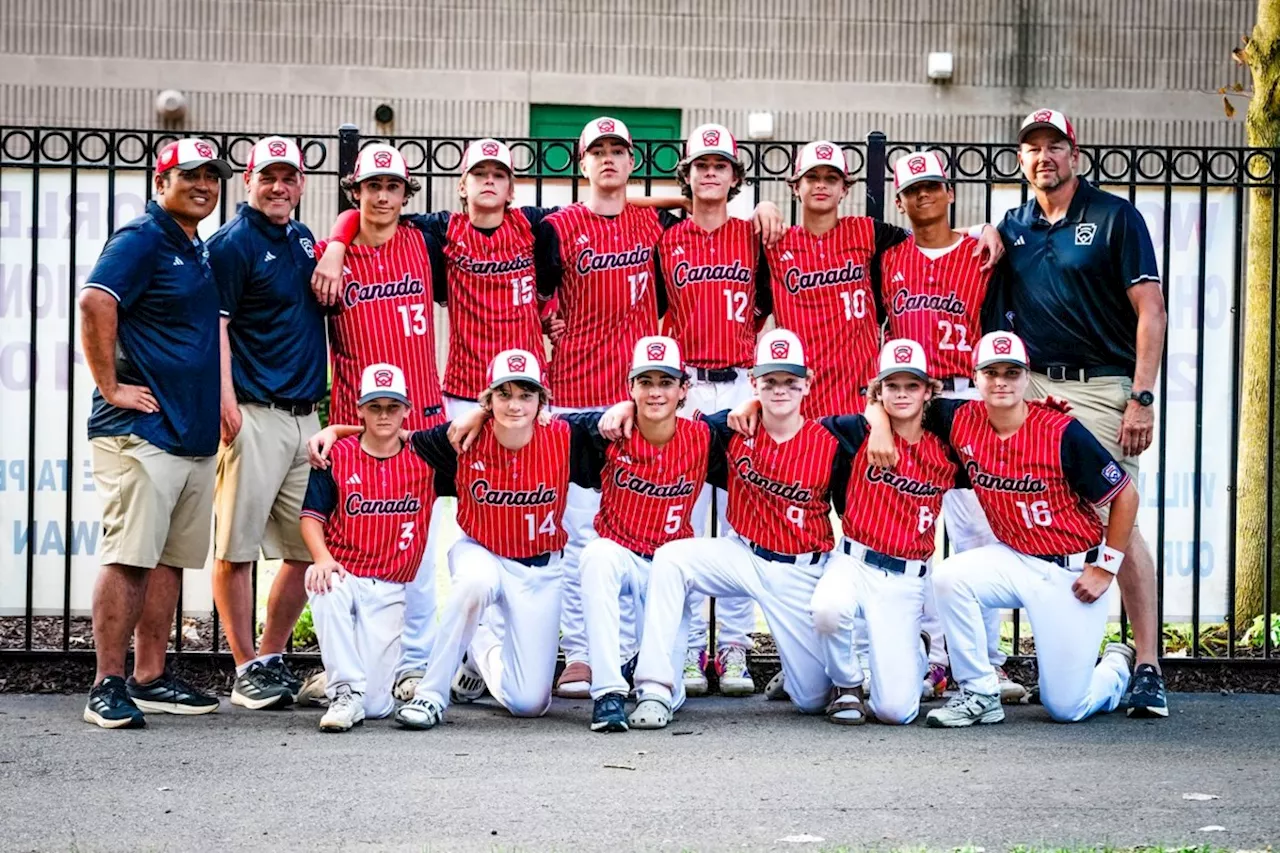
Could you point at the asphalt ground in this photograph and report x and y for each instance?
(728, 774)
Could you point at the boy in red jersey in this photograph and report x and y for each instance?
(363, 520)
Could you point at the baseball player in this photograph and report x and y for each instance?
(1040, 475)
(363, 519)
(934, 290)
(717, 284)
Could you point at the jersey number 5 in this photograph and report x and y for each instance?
(522, 290)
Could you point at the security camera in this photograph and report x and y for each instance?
(171, 105)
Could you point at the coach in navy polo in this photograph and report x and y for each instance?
(273, 374)
(1083, 291)
(149, 329)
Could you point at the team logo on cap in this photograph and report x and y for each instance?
(1002, 346)
(710, 137)
(917, 165)
(382, 378)
(489, 149)
(382, 159)
(779, 349)
(823, 152)
(277, 148)
(516, 363)
(902, 354)
(1043, 115)
(657, 351)
(204, 150)
(605, 125)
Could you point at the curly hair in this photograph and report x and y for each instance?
(682, 178)
(412, 187)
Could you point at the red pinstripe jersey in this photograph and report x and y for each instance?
(937, 303)
(492, 298)
(779, 493)
(1040, 486)
(376, 512)
(512, 501)
(710, 284)
(647, 493)
(822, 292)
(385, 315)
(607, 301)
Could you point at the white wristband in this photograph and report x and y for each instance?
(1109, 559)
(975, 231)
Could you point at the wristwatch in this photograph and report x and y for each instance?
(1143, 398)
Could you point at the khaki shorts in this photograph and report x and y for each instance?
(1099, 404)
(262, 479)
(156, 506)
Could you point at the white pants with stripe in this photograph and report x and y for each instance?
(1068, 633)
(611, 574)
(518, 660)
(890, 605)
(728, 567)
(358, 623)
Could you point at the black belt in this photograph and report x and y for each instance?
(766, 554)
(538, 561)
(1064, 560)
(883, 561)
(716, 374)
(297, 408)
(1062, 373)
(640, 554)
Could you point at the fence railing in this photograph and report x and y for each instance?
(64, 190)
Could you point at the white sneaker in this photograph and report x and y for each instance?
(468, 684)
(406, 683)
(313, 690)
(650, 714)
(695, 672)
(735, 678)
(346, 710)
(966, 709)
(419, 714)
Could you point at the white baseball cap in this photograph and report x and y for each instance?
(780, 350)
(821, 153)
(271, 150)
(603, 128)
(1000, 348)
(188, 154)
(903, 355)
(484, 151)
(1051, 119)
(515, 365)
(380, 159)
(382, 381)
(657, 353)
(711, 139)
(917, 168)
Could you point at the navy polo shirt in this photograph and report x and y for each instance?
(1066, 284)
(276, 326)
(166, 333)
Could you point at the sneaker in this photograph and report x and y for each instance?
(735, 678)
(110, 707)
(650, 714)
(695, 672)
(345, 711)
(313, 690)
(169, 694)
(406, 683)
(1146, 697)
(610, 713)
(419, 714)
(935, 683)
(965, 709)
(284, 675)
(845, 707)
(468, 683)
(258, 688)
(575, 681)
(776, 689)
(1011, 692)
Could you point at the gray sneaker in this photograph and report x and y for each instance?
(260, 688)
(966, 709)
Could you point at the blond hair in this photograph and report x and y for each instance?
(877, 385)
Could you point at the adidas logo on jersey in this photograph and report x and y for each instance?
(353, 480)
(177, 262)
(967, 450)
(622, 457)
(477, 465)
(898, 276)
(679, 250)
(269, 258)
(346, 270)
(787, 256)
(1020, 241)
(583, 239)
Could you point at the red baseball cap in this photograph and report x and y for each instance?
(1050, 120)
(271, 150)
(186, 154)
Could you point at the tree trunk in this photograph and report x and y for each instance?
(1262, 125)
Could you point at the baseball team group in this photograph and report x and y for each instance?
(623, 436)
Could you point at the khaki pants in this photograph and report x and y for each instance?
(261, 482)
(156, 506)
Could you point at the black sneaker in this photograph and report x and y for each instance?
(610, 713)
(110, 707)
(169, 694)
(284, 675)
(260, 688)
(1145, 696)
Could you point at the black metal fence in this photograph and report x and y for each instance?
(63, 190)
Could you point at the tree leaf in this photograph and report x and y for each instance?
(1228, 108)
(1237, 87)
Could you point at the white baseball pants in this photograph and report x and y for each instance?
(518, 662)
(728, 567)
(358, 623)
(891, 605)
(1068, 633)
(611, 574)
(735, 617)
(420, 599)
